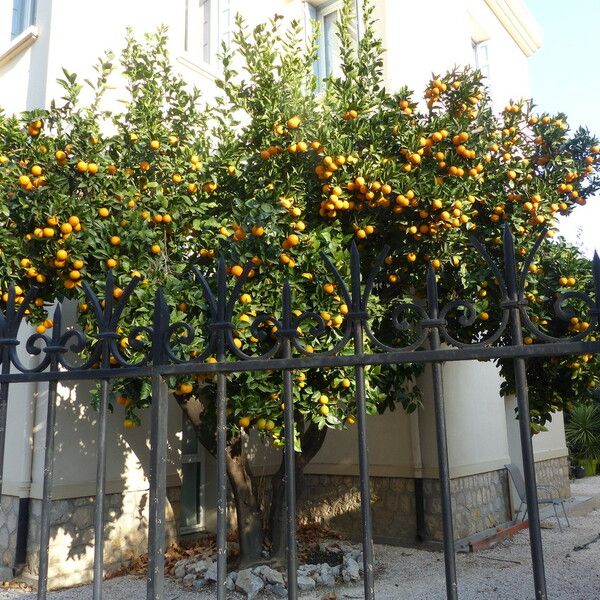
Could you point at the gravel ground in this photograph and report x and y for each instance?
(588, 486)
(502, 573)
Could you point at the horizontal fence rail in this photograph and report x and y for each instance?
(156, 352)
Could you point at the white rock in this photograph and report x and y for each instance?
(351, 570)
(230, 581)
(249, 583)
(306, 583)
(269, 575)
(211, 572)
(189, 579)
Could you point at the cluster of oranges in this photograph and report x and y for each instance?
(60, 232)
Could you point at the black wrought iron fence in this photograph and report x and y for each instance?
(433, 343)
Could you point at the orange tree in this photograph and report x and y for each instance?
(275, 171)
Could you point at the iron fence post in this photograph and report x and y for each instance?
(442, 441)
(221, 437)
(158, 456)
(100, 492)
(101, 468)
(516, 335)
(47, 492)
(289, 452)
(358, 314)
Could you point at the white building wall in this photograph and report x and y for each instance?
(420, 38)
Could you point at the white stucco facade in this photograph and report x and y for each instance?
(420, 38)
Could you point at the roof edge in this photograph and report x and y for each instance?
(519, 23)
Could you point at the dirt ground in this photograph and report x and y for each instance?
(572, 559)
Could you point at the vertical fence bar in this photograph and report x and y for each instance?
(221, 439)
(47, 492)
(221, 486)
(158, 488)
(442, 442)
(158, 457)
(361, 413)
(289, 453)
(4, 389)
(535, 534)
(100, 490)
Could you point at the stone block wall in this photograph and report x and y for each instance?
(556, 472)
(9, 518)
(72, 534)
(334, 501)
(479, 502)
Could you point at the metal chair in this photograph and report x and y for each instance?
(553, 491)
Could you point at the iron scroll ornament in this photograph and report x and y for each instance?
(154, 343)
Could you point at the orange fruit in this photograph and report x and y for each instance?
(294, 122)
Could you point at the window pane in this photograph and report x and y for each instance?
(198, 29)
(191, 508)
(224, 23)
(18, 20)
(331, 53)
(205, 11)
(482, 61)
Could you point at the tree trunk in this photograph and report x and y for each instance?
(311, 442)
(249, 521)
(248, 514)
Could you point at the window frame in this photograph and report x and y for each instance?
(317, 11)
(483, 66)
(27, 13)
(217, 28)
(189, 438)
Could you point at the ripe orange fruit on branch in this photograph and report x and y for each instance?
(294, 122)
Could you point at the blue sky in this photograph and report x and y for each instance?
(565, 77)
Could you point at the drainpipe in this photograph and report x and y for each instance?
(417, 463)
(31, 392)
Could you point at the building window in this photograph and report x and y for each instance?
(327, 15)
(481, 57)
(23, 16)
(207, 24)
(192, 517)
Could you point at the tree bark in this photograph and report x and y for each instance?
(248, 514)
(249, 521)
(311, 442)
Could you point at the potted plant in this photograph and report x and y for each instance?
(583, 435)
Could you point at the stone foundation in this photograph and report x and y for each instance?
(556, 472)
(71, 555)
(334, 501)
(9, 518)
(479, 502)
